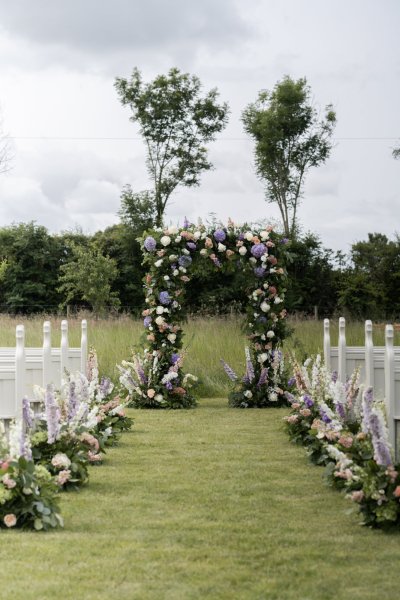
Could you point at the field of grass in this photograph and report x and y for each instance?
(212, 503)
(207, 341)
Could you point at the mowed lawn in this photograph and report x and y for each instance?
(212, 503)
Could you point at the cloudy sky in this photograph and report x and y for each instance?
(74, 146)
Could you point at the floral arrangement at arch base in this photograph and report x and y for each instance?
(155, 377)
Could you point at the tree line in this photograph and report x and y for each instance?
(44, 273)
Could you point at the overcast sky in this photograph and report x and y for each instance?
(59, 59)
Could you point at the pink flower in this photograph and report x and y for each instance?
(357, 496)
(396, 492)
(151, 393)
(305, 412)
(292, 419)
(346, 474)
(346, 441)
(208, 242)
(93, 458)
(295, 405)
(10, 520)
(63, 477)
(9, 482)
(87, 438)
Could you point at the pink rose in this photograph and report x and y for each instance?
(396, 492)
(357, 496)
(10, 520)
(346, 441)
(9, 482)
(151, 393)
(305, 412)
(63, 477)
(295, 405)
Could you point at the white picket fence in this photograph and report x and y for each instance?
(21, 368)
(379, 368)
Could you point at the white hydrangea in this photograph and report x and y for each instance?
(165, 240)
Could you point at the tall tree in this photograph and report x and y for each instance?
(290, 138)
(176, 122)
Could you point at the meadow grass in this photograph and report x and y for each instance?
(206, 341)
(212, 503)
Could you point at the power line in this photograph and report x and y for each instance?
(223, 139)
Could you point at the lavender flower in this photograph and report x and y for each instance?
(105, 386)
(73, 401)
(263, 377)
(185, 261)
(241, 237)
(150, 244)
(147, 321)
(219, 235)
(258, 250)
(164, 298)
(291, 381)
(381, 447)
(141, 373)
(340, 410)
(335, 376)
(186, 223)
(249, 366)
(27, 413)
(191, 246)
(289, 397)
(366, 408)
(259, 272)
(52, 414)
(229, 371)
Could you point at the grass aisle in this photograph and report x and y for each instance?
(212, 503)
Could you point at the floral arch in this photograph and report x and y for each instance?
(155, 378)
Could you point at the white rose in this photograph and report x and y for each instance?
(178, 239)
(166, 277)
(263, 337)
(171, 337)
(264, 258)
(172, 257)
(221, 247)
(248, 235)
(262, 357)
(265, 307)
(158, 397)
(158, 263)
(278, 300)
(184, 251)
(182, 269)
(242, 250)
(175, 273)
(266, 286)
(173, 230)
(253, 260)
(197, 235)
(203, 252)
(175, 304)
(165, 240)
(248, 394)
(272, 270)
(160, 320)
(159, 310)
(273, 396)
(264, 235)
(270, 334)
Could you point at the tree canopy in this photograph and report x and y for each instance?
(176, 122)
(290, 138)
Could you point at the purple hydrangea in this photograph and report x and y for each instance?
(147, 321)
(241, 237)
(219, 235)
(258, 250)
(308, 401)
(164, 298)
(191, 245)
(184, 261)
(150, 244)
(174, 358)
(259, 272)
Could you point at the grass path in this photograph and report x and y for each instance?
(213, 503)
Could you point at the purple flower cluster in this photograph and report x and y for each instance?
(184, 261)
(258, 250)
(164, 298)
(229, 371)
(263, 377)
(147, 321)
(219, 235)
(308, 401)
(174, 358)
(105, 386)
(260, 271)
(191, 246)
(150, 244)
(52, 414)
(27, 413)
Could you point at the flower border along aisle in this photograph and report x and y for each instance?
(154, 378)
